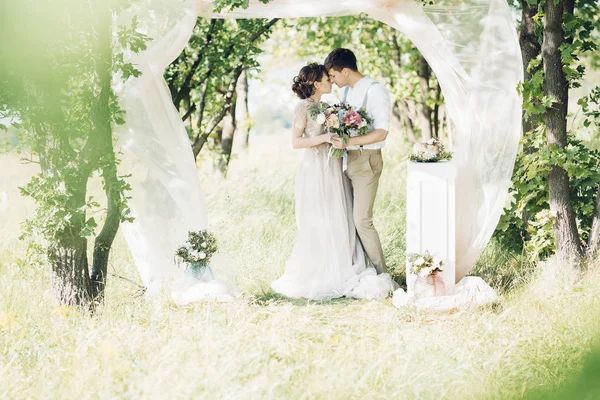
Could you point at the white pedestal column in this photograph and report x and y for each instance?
(431, 215)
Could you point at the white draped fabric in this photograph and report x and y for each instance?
(167, 199)
(471, 291)
(471, 45)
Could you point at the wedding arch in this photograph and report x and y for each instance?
(471, 45)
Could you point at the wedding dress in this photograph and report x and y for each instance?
(327, 259)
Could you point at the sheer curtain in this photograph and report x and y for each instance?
(471, 45)
(167, 199)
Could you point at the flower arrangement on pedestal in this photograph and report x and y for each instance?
(431, 150)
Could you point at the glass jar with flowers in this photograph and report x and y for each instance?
(196, 254)
(427, 267)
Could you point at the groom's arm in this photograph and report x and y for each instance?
(377, 135)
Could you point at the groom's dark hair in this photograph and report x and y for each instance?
(341, 58)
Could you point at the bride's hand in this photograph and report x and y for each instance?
(326, 138)
(333, 137)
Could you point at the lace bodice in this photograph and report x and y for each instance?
(303, 119)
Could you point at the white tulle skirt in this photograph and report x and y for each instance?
(327, 260)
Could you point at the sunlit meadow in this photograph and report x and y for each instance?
(261, 346)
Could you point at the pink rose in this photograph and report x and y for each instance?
(353, 118)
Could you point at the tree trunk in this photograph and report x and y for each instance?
(400, 111)
(449, 130)
(566, 235)
(528, 40)
(423, 110)
(594, 239)
(70, 280)
(105, 239)
(229, 126)
(103, 133)
(443, 135)
(242, 95)
(410, 108)
(395, 123)
(68, 253)
(436, 111)
(530, 48)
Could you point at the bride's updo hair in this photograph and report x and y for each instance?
(303, 84)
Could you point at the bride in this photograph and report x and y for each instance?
(327, 260)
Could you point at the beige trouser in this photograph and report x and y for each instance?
(364, 170)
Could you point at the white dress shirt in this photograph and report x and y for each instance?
(379, 106)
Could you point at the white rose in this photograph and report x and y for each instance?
(202, 255)
(430, 141)
(420, 261)
(363, 124)
(321, 119)
(203, 245)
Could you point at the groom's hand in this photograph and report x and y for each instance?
(338, 143)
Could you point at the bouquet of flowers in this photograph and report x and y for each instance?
(197, 252)
(431, 150)
(341, 120)
(424, 264)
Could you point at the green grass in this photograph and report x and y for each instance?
(262, 346)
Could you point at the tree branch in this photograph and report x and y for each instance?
(197, 146)
(189, 112)
(201, 108)
(199, 139)
(185, 86)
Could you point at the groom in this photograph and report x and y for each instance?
(364, 152)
